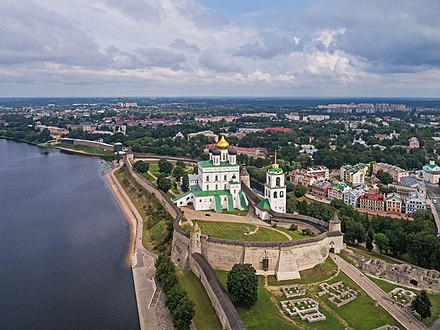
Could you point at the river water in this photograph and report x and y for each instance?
(63, 240)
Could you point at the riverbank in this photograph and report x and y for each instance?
(140, 259)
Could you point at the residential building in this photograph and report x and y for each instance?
(393, 203)
(372, 202)
(320, 188)
(354, 174)
(414, 203)
(309, 176)
(204, 133)
(336, 191)
(351, 197)
(396, 172)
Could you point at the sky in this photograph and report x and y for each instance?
(378, 48)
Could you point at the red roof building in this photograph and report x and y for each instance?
(373, 202)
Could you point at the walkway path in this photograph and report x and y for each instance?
(404, 318)
(142, 259)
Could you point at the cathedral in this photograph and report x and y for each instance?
(217, 185)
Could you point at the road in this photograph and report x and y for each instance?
(404, 318)
(434, 193)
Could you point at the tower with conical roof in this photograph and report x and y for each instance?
(334, 224)
(275, 188)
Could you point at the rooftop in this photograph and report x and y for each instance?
(209, 163)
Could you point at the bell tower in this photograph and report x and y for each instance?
(275, 188)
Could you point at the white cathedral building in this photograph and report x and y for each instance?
(217, 185)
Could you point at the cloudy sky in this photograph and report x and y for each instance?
(211, 47)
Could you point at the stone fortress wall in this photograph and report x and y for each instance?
(285, 259)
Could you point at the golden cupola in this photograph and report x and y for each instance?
(223, 144)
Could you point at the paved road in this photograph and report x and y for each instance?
(434, 194)
(404, 318)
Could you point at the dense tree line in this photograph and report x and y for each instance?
(182, 309)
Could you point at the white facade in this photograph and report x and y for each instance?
(275, 189)
(415, 202)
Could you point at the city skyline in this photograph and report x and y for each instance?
(232, 48)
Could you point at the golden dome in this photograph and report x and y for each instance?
(223, 144)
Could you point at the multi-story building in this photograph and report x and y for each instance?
(336, 191)
(251, 152)
(351, 197)
(204, 133)
(309, 176)
(372, 202)
(320, 188)
(414, 203)
(393, 203)
(396, 172)
(354, 174)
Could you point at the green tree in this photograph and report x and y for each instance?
(165, 166)
(300, 190)
(180, 163)
(422, 304)
(141, 166)
(384, 177)
(183, 314)
(369, 239)
(185, 182)
(337, 203)
(382, 242)
(178, 172)
(242, 284)
(163, 183)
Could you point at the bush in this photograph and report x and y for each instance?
(293, 227)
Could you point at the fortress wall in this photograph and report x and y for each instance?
(221, 256)
(94, 144)
(221, 302)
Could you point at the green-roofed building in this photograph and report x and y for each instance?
(218, 182)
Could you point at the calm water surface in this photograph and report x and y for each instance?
(62, 244)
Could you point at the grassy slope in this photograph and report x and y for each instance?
(145, 203)
(205, 317)
(235, 231)
(435, 298)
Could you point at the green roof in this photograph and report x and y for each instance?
(431, 165)
(209, 163)
(200, 193)
(338, 186)
(234, 182)
(264, 204)
(354, 168)
(274, 170)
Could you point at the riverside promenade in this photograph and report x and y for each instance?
(140, 258)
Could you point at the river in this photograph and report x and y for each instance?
(63, 240)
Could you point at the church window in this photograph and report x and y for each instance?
(278, 181)
(225, 186)
(275, 195)
(226, 199)
(216, 178)
(207, 178)
(216, 187)
(226, 177)
(281, 194)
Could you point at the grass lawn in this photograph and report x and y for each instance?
(86, 149)
(264, 314)
(435, 298)
(154, 169)
(319, 273)
(205, 317)
(149, 177)
(295, 234)
(360, 313)
(242, 213)
(236, 231)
